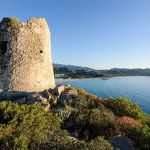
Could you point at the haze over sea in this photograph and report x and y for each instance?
(137, 89)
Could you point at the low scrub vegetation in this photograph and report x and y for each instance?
(94, 120)
(124, 107)
(25, 126)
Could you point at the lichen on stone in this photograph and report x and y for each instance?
(9, 22)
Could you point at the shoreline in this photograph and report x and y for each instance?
(57, 80)
(66, 80)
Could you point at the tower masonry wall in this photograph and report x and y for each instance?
(25, 56)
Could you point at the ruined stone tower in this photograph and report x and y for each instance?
(25, 59)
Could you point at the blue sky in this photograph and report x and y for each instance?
(101, 34)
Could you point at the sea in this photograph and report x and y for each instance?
(137, 89)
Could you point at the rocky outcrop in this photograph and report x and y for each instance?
(59, 89)
(68, 96)
(58, 98)
(12, 95)
(57, 92)
(45, 98)
(122, 143)
(34, 98)
(46, 94)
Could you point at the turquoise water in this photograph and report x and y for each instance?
(137, 89)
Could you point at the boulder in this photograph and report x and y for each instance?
(74, 134)
(55, 100)
(45, 94)
(12, 95)
(62, 113)
(68, 96)
(27, 97)
(67, 86)
(57, 91)
(21, 101)
(122, 143)
(35, 98)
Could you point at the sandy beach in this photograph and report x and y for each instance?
(65, 80)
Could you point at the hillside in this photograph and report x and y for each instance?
(72, 67)
(70, 71)
(129, 72)
(69, 118)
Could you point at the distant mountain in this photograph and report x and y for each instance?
(128, 72)
(89, 72)
(72, 67)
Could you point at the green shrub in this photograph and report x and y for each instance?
(98, 123)
(140, 136)
(61, 140)
(124, 107)
(25, 126)
(86, 100)
(99, 144)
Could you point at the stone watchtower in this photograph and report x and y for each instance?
(25, 59)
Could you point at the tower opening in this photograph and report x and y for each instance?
(3, 47)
